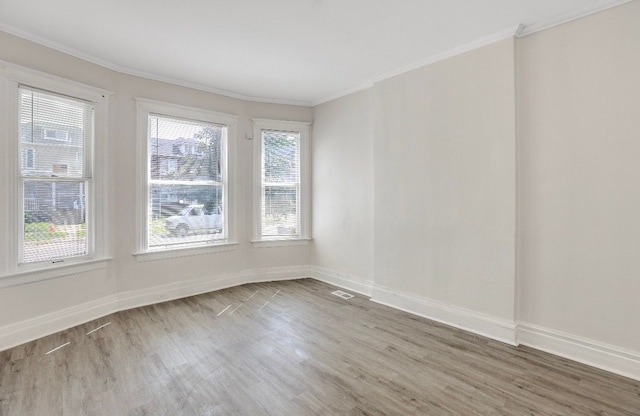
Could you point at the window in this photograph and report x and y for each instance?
(184, 197)
(172, 166)
(53, 133)
(29, 158)
(54, 227)
(281, 164)
(59, 135)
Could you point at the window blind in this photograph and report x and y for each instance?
(186, 181)
(280, 209)
(56, 133)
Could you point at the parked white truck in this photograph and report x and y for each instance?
(196, 218)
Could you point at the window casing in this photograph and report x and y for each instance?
(54, 207)
(185, 194)
(281, 182)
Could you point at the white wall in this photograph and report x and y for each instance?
(445, 181)
(343, 190)
(506, 191)
(414, 193)
(579, 171)
(38, 300)
(48, 306)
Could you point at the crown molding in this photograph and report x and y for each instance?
(570, 15)
(458, 50)
(137, 73)
(519, 31)
(343, 93)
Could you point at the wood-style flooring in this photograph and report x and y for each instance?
(293, 348)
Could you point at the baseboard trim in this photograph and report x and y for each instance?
(342, 280)
(488, 326)
(44, 325)
(586, 351)
(178, 290)
(31, 329)
(593, 353)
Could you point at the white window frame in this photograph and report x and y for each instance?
(11, 208)
(145, 108)
(303, 129)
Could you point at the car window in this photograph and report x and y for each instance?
(212, 209)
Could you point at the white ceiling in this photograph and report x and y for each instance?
(293, 51)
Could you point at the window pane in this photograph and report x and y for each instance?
(183, 150)
(280, 183)
(54, 220)
(280, 211)
(186, 182)
(185, 214)
(53, 130)
(280, 157)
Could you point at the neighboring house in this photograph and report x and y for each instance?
(44, 143)
(170, 159)
(55, 150)
(176, 164)
(174, 161)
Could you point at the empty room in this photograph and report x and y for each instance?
(320, 207)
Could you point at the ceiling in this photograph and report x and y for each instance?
(290, 51)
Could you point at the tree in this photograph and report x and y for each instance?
(279, 157)
(207, 160)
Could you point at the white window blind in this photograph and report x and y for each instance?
(280, 184)
(187, 181)
(56, 133)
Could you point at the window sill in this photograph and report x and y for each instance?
(288, 242)
(37, 275)
(184, 252)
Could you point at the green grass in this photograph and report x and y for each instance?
(158, 228)
(36, 227)
(39, 232)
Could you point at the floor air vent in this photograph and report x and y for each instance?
(341, 294)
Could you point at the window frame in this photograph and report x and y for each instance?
(303, 130)
(144, 108)
(12, 272)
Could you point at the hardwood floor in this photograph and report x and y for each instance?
(293, 348)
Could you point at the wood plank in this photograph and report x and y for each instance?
(293, 348)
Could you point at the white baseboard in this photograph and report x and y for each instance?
(342, 280)
(604, 356)
(183, 289)
(593, 353)
(495, 328)
(41, 326)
